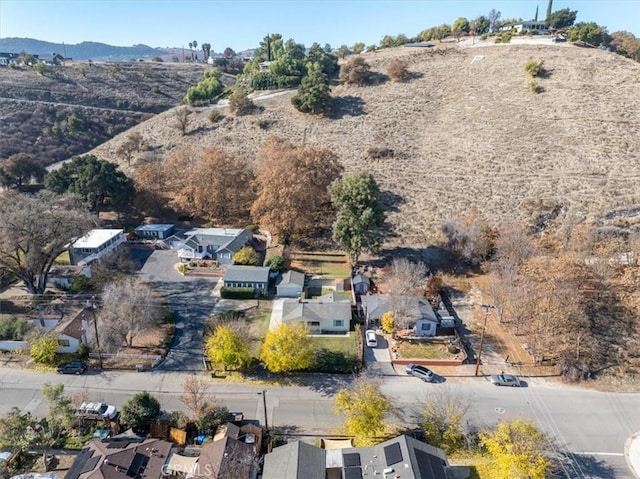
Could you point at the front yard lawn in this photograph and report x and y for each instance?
(425, 350)
(328, 264)
(336, 354)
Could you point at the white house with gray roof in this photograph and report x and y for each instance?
(219, 244)
(94, 245)
(290, 284)
(328, 314)
(256, 277)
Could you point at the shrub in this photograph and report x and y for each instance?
(228, 292)
(240, 104)
(398, 70)
(246, 256)
(379, 152)
(535, 68)
(13, 328)
(535, 87)
(276, 263)
(43, 349)
(355, 72)
(504, 38)
(270, 81)
(206, 90)
(263, 124)
(155, 89)
(215, 116)
(82, 284)
(182, 268)
(251, 227)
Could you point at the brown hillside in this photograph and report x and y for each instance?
(465, 135)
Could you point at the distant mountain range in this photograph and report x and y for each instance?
(81, 51)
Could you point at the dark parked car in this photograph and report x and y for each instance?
(420, 372)
(505, 380)
(73, 367)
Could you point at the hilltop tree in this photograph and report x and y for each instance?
(327, 61)
(228, 53)
(589, 32)
(20, 169)
(460, 27)
(287, 348)
(133, 144)
(270, 48)
(365, 409)
(286, 207)
(96, 181)
(562, 18)
(549, 9)
(479, 26)
(228, 347)
(343, 51)
(494, 17)
(34, 231)
(626, 44)
(360, 217)
(206, 50)
(358, 48)
(195, 47)
(313, 94)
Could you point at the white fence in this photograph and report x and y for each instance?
(13, 345)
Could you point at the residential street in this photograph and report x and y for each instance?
(589, 427)
(192, 302)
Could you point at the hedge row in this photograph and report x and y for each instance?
(237, 293)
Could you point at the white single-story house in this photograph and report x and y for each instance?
(290, 284)
(328, 314)
(154, 231)
(525, 26)
(94, 245)
(62, 276)
(256, 277)
(219, 244)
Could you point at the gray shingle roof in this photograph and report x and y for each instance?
(292, 277)
(294, 310)
(247, 274)
(296, 460)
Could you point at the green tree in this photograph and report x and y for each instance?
(328, 62)
(517, 449)
(195, 46)
(589, 32)
(276, 263)
(287, 348)
(228, 348)
(246, 256)
(364, 409)
(356, 71)
(360, 214)
(42, 349)
(205, 90)
(562, 18)
(13, 430)
(157, 59)
(270, 48)
(460, 27)
(313, 94)
(229, 53)
(140, 410)
(358, 48)
(20, 169)
(206, 50)
(480, 25)
(386, 41)
(96, 181)
(34, 231)
(549, 8)
(343, 51)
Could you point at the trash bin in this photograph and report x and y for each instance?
(140, 367)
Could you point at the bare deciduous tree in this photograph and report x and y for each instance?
(128, 307)
(471, 237)
(196, 397)
(182, 119)
(34, 231)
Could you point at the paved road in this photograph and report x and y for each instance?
(589, 428)
(192, 301)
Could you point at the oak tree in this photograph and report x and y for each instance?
(360, 215)
(19, 169)
(292, 188)
(287, 348)
(34, 231)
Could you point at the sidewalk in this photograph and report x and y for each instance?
(632, 453)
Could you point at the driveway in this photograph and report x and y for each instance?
(192, 301)
(378, 360)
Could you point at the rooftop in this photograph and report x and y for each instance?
(154, 227)
(231, 232)
(247, 274)
(96, 238)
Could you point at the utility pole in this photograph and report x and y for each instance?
(93, 307)
(264, 405)
(484, 327)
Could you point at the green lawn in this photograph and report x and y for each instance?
(423, 351)
(318, 263)
(336, 354)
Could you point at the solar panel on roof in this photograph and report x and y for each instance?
(393, 454)
(118, 444)
(351, 460)
(429, 466)
(353, 473)
(90, 464)
(79, 463)
(138, 464)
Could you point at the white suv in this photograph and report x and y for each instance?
(372, 339)
(98, 410)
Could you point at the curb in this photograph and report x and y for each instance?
(632, 447)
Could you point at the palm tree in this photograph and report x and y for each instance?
(195, 46)
(191, 49)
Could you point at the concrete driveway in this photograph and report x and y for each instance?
(192, 301)
(378, 360)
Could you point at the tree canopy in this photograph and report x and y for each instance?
(589, 32)
(562, 18)
(140, 410)
(20, 169)
(313, 94)
(228, 348)
(287, 348)
(34, 231)
(355, 72)
(207, 89)
(360, 217)
(94, 180)
(292, 185)
(365, 410)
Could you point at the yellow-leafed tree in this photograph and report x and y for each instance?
(288, 348)
(516, 449)
(388, 322)
(227, 348)
(365, 410)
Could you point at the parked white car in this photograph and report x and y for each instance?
(98, 410)
(372, 338)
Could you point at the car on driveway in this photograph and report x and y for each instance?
(72, 367)
(372, 339)
(503, 379)
(97, 410)
(421, 372)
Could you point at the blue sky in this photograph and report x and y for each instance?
(240, 24)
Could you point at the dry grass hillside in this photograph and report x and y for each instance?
(465, 134)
